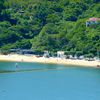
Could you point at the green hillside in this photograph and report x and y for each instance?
(50, 25)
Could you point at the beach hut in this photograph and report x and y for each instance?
(46, 54)
(81, 57)
(61, 54)
(71, 57)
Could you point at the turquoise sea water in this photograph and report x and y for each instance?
(32, 81)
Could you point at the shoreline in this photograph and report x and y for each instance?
(51, 60)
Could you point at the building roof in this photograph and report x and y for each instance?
(60, 52)
(93, 19)
(21, 50)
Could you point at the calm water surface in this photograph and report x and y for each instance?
(32, 81)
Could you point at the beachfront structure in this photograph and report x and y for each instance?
(81, 57)
(46, 54)
(71, 57)
(61, 54)
(22, 51)
(92, 21)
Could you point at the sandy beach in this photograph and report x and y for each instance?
(33, 58)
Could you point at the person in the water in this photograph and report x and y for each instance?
(16, 64)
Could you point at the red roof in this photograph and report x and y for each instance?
(94, 19)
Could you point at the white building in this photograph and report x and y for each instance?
(60, 54)
(46, 54)
(92, 21)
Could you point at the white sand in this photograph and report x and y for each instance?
(23, 58)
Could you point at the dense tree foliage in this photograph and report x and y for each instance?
(50, 25)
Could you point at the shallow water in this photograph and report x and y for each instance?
(32, 81)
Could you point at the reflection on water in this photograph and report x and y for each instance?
(10, 67)
(32, 81)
